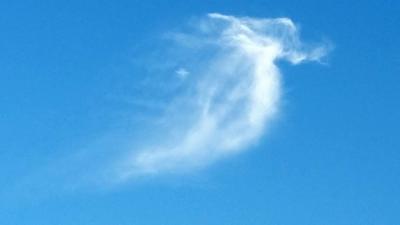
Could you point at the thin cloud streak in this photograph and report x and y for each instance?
(235, 96)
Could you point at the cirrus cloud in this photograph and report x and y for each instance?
(232, 95)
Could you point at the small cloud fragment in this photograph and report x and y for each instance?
(182, 73)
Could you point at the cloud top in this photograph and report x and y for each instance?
(233, 93)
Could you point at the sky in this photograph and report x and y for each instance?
(199, 112)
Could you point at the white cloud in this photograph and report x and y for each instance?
(233, 97)
(182, 73)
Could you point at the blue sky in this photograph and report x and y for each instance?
(88, 87)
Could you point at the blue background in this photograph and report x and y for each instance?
(333, 158)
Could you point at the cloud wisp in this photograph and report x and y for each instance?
(232, 95)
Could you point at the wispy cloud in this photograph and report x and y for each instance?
(232, 95)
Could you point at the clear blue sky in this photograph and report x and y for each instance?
(332, 157)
